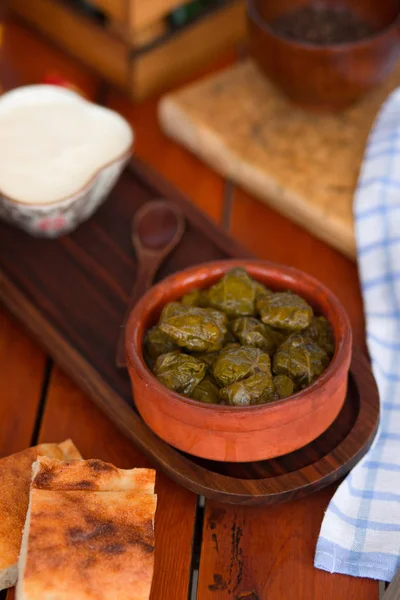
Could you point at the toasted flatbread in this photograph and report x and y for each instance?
(68, 449)
(83, 543)
(15, 477)
(94, 475)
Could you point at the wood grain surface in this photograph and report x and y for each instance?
(22, 366)
(258, 554)
(279, 556)
(303, 165)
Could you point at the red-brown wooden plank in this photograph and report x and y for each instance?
(257, 553)
(21, 375)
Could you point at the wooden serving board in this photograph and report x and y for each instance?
(72, 292)
(302, 164)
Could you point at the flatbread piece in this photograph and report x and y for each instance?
(89, 533)
(15, 478)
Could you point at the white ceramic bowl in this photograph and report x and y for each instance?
(61, 214)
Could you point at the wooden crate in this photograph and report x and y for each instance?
(132, 49)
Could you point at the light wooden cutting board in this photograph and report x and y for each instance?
(304, 165)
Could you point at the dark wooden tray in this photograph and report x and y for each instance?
(71, 293)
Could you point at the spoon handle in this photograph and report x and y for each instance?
(144, 279)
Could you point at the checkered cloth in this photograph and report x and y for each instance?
(360, 533)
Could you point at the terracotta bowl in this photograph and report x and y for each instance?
(239, 434)
(327, 77)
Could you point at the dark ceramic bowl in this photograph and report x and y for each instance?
(239, 434)
(329, 77)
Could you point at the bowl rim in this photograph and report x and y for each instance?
(134, 345)
(125, 155)
(74, 96)
(254, 15)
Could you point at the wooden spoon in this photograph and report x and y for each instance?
(157, 228)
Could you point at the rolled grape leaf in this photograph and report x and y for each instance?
(194, 328)
(301, 359)
(171, 309)
(206, 391)
(251, 332)
(157, 342)
(179, 372)
(234, 294)
(320, 332)
(255, 389)
(283, 386)
(285, 310)
(234, 364)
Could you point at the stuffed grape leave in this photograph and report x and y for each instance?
(196, 329)
(301, 359)
(206, 391)
(320, 332)
(179, 372)
(283, 386)
(285, 310)
(157, 342)
(234, 294)
(255, 389)
(251, 332)
(234, 364)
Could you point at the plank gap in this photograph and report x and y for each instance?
(196, 548)
(42, 402)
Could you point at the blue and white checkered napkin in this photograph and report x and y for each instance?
(360, 533)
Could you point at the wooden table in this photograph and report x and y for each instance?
(262, 553)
